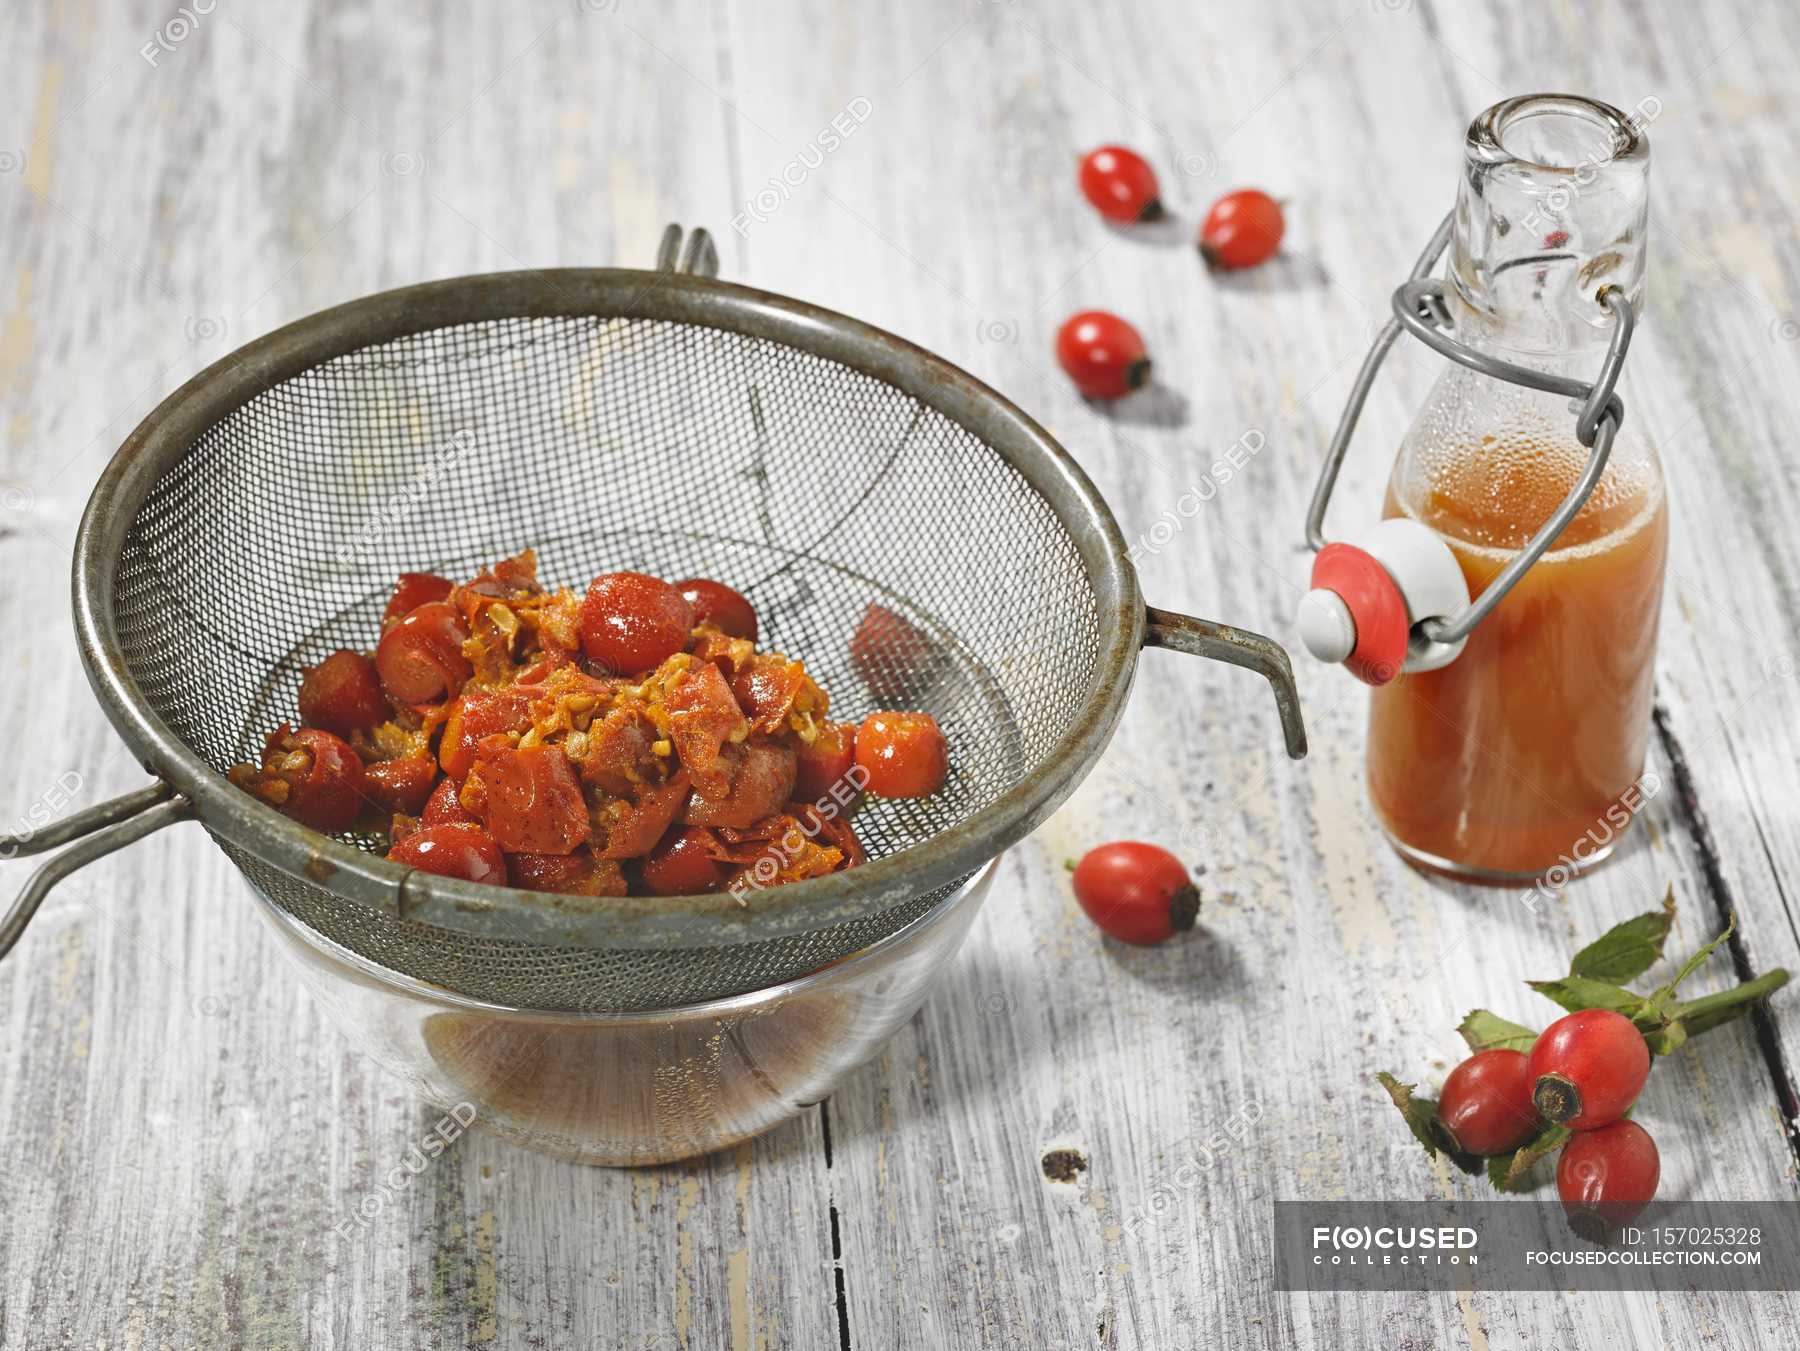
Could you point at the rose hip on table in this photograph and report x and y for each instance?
(632, 735)
(1120, 183)
(1485, 1108)
(1607, 1176)
(1136, 892)
(1588, 1068)
(1242, 229)
(1580, 1075)
(1102, 354)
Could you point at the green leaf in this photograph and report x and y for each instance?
(1576, 993)
(1420, 1113)
(1660, 1001)
(1421, 1120)
(1520, 1161)
(1486, 1031)
(1625, 951)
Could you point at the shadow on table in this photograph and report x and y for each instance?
(1527, 905)
(1201, 966)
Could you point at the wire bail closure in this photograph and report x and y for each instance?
(1420, 309)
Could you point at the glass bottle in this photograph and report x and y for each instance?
(1526, 751)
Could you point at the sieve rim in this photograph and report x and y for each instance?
(177, 423)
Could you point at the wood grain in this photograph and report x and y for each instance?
(192, 1146)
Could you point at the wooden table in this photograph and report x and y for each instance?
(184, 1131)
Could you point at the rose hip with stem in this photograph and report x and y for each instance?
(1486, 1108)
(1607, 1176)
(1136, 892)
(1121, 184)
(1588, 1068)
(1102, 354)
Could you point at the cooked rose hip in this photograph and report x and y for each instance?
(1102, 354)
(325, 779)
(1485, 1107)
(413, 590)
(444, 807)
(1140, 893)
(684, 864)
(1588, 1068)
(532, 801)
(402, 785)
(826, 763)
(632, 623)
(473, 718)
(1607, 1176)
(576, 874)
(894, 659)
(420, 659)
(1120, 184)
(762, 780)
(717, 604)
(903, 754)
(342, 694)
(453, 851)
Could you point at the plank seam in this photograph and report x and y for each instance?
(1693, 818)
(837, 1243)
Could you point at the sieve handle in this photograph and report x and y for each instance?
(1252, 651)
(102, 829)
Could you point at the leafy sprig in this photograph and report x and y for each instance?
(1595, 981)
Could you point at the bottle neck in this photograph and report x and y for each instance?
(1542, 341)
(1552, 208)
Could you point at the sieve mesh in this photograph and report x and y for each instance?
(608, 443)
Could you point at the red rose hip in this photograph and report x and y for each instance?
(326, 785)
(532, 801)
(717, 604)
(413, 590)
(467, 852)
(1243, 228)
(632, 623)
(1136, 892)
(402, 785)
(1486, 1107)
(342, 694)
(1607, 1176)
(903, 754)
(1588, 1068)
(420, 658)
(684, 864)
(821, 766)
(1121, 184)
(444, 807)
(1102, 354)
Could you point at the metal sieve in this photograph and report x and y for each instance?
(663, 421)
